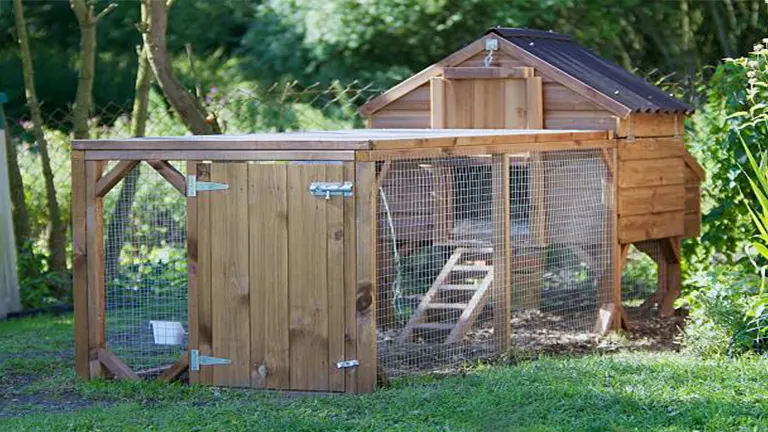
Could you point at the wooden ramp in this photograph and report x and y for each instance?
(453, 302)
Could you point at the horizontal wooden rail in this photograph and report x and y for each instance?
(418, 153)
(219, 155)
(487, 72)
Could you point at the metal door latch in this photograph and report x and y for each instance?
(196, 360)
(194, 186)
(329, 189)
(347, 364)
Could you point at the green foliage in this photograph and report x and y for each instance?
(639, 277)
(726, 314)
(729, 122)
(39, 287)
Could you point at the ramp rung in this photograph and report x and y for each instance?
(471, 268)
(447, 305)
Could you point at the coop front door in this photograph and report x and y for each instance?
(270, 275)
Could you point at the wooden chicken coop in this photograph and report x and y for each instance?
(276, 240)
(530, 79)
(491, 204)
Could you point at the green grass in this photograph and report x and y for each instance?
(619, 392)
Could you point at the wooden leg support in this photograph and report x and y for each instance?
(671, 252)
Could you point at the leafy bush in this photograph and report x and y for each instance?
(40, 287)
(728, 309)
(726, 314)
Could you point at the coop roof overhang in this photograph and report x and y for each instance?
(336, 145)
(560, 58)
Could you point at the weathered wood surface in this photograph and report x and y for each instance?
(230, 274)
(502, 290)
(80, 265)
(267, 214)
(365, 217)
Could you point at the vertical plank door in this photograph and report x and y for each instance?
(276, 270)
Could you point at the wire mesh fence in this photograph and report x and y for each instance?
(442, 250)
(145, 267)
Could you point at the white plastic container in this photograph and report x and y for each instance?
(167, 332)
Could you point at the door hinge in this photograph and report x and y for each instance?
(194, 186)
(329, 189)
(347, 364)
(196, 360)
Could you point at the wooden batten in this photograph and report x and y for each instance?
(491, 72)
(641, 125)
(437, 103)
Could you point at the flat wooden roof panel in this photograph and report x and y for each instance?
(356, 139)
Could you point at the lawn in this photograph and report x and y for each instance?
(621, 391)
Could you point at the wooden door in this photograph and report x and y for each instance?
(501, 103)
(270, 276)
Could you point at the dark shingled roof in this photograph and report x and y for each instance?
(612, 80)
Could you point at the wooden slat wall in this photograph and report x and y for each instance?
(411, 111)
(651, 194)
(692, 204)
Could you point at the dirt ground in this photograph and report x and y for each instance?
(533, 334)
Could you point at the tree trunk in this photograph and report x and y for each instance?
(57, 231)
(18, 201)
(81, 111)
(123, 208)
(191, 112)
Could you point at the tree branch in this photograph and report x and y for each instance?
(191, 112)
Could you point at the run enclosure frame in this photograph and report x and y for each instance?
(358, 149)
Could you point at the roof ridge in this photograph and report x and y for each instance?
(512, 32)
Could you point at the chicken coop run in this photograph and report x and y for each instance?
(494, 203)
(531, 79)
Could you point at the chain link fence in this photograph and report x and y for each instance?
(241, 109)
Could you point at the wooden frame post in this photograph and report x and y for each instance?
(502, 292)
(192, 291)
(94, 236)
(80, 265)
(619, 253)
(670, 261)
(365, 213)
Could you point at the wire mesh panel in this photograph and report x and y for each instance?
(450, 228)
(562, 271)
(145, 271)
